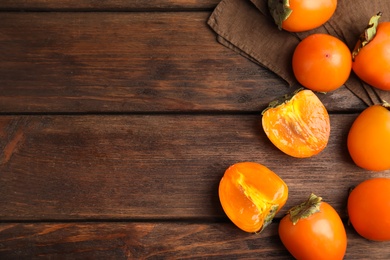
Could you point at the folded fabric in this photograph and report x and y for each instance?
(241, 27)
(246, 27)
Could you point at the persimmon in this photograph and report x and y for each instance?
(369, 138)
(301, 15)
(251, 195)
(369, 209)
(322, 62)
(298, 125)
(313, 230)
(371, 56)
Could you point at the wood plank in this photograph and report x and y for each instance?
(157, 241)
(152, 167)
(112, 5)
(130, 62)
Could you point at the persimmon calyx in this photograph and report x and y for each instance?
(305, 209)
(367, 35)
(280, 11)
(270, 216)
(385, 104)
(280, 101)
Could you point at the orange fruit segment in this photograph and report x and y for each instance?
(251, 195)
(299, 126)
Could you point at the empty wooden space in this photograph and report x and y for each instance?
(117, 121)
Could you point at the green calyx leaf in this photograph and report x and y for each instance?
(280, 101)
(268, 219)
(385, 104)
(368, 34)
(280, 10)
(306, 209)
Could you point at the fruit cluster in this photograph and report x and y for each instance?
(299, 125)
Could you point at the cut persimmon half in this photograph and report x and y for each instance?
(251, 195)
(298, 124)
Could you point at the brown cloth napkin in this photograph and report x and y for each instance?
(246, 27)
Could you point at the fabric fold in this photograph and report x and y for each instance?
(246, 27)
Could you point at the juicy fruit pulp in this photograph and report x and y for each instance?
(251, 194)
(299, 127)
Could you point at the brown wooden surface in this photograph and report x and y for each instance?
(130, 62)
(116, 127)
(110, 5)
(153, 240)
(151, 167)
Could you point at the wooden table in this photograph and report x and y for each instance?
(119, 118)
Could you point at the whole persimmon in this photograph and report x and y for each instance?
(251, 195)
(322, 62)
(371, 57)
(313, 230)
(369, 209)
(369, 139)
(298, 125)
(301, 15)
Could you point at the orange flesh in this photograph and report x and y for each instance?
(300, 127)
(248, 191)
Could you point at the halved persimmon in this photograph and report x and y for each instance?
(251, 195)
(298, 125)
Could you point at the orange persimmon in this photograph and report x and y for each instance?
(369, 209)
(371, 56)
(251, 195)
(322, 62)
(299, 125)
(313, 230)
(301, 15)
(369, 138)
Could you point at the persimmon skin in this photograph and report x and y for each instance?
(369, 209)
(248, 192)
(308, 14)
(369, 139)
(299, 127)
(321, 236)
(372, 63)
(322, 62)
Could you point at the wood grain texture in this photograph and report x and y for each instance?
(118, 119)
(152, 167)
(111, 5)
(131, 62)
(157, 241)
